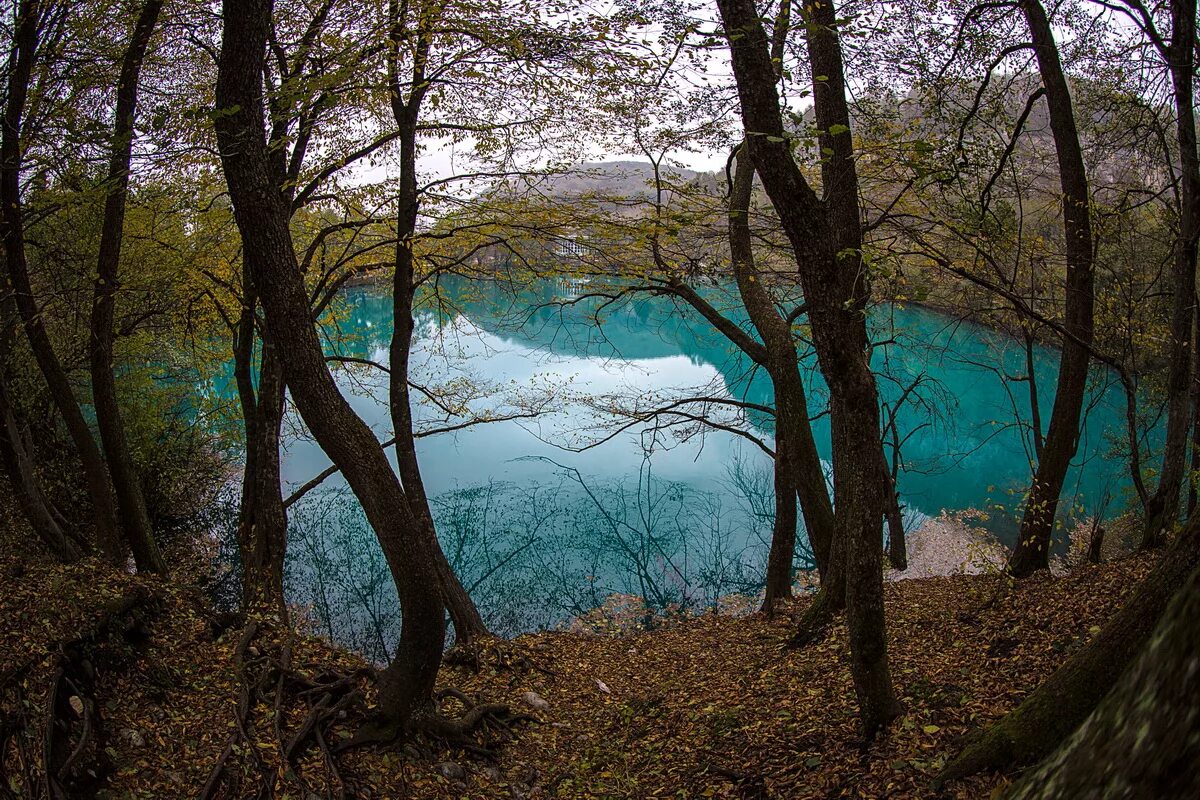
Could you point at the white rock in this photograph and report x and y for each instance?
(602, 686)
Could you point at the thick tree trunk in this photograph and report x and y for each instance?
(1056, 708)
(798, 471)
(1163, 508)
(11, 220)
(131, 504)
(464, 615)
(262, 213)
(1141, 741)
(1032, 550)
(826, 236)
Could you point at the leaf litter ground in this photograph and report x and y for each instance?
(710, 706)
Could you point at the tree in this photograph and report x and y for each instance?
(1032, 550)
(1047, 717)
(262, 215)
(826, 235)
(798, 468)
(1141, 740)
(1178, 54)
(33, 22)
(17, 457)
(131, 504)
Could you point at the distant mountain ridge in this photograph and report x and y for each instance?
(623, 178)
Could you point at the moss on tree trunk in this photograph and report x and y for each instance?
(1143, 741)
(1056, 708)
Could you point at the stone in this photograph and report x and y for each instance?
(535, 700)
(451, 771)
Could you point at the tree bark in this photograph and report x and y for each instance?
(464, 615)
(11, 220)
(897, 547)
(131, 504)
(16, 454)
(1032, 550)
(1055, 709)
(1141, 741)
(262, 523)
(262, 213)
(826, 236)
(1163, 509)
(798, 471)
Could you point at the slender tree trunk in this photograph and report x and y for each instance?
(1051, 712)
(1163, 508)
(897, 548)
(262, 525)
(464, 615)
(131, 504)
(16, 454)
(1141, 741)
(262, 213)
(798, 471)
(826, 236)
(1194, 477)
(1032, 550)
(11, 219)
(22, 476)
(1035, 406)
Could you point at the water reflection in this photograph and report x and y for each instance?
(541, 530)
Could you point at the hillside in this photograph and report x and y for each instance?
(707, 707)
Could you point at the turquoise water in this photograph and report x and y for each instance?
(542, 527)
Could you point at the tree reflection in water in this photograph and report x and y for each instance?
(535, 556)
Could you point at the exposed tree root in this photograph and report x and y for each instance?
(815, 620)
(304, 709)
(493, 653)
(63, 753)
(270, 680)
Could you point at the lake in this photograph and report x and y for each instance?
(547, 514)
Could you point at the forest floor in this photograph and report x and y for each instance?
(712, 706)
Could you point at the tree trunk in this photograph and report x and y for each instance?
(1048, 716)
(798, 471)
(1141, 741)
(826, 236)
(1032, 550)
(131, 504)
(897, 548)
(1195, 401)
(11, 220)
(16, 454)
(464, 615)
(1163, 508)
(262, 213)
(262, 523)
(1096, 545)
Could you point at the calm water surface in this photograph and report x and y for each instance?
(541, 527)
